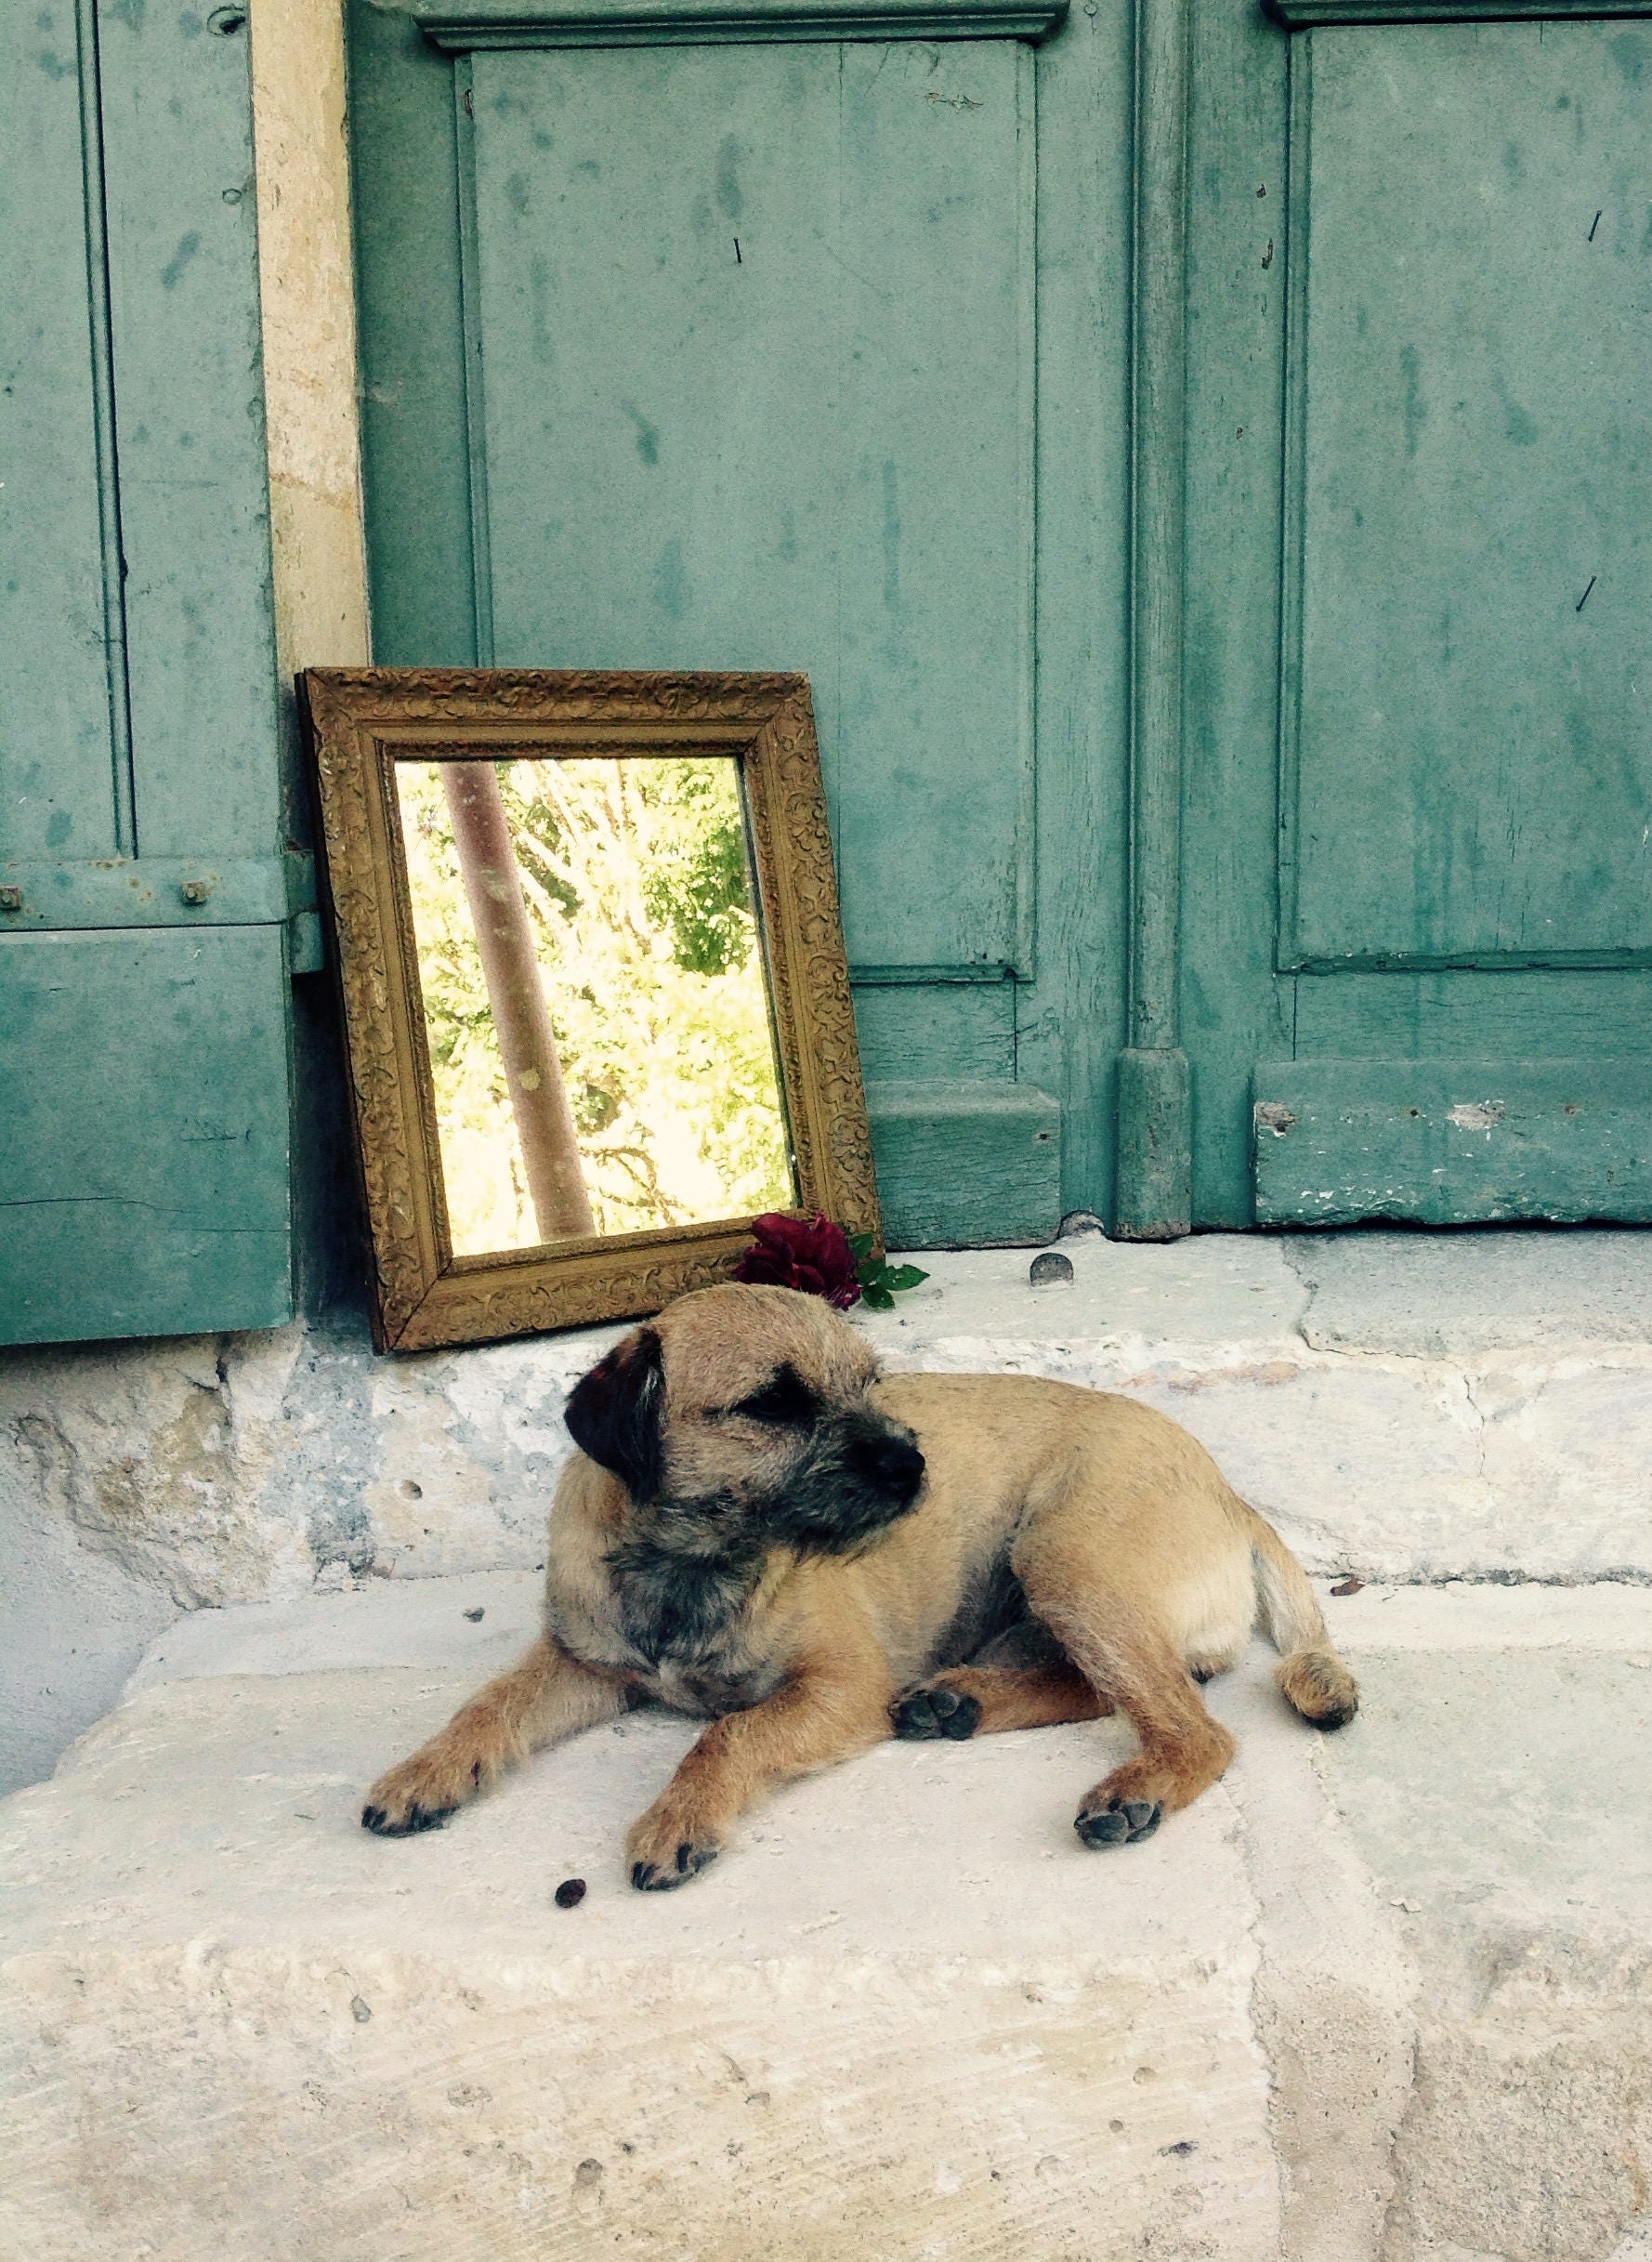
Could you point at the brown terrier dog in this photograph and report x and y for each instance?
(760, 1529)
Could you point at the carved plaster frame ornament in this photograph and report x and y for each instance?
(358, 722)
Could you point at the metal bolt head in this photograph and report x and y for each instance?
(195, 892)
(1049, 1267)
(11, 899)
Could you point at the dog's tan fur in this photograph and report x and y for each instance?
(1140, 1568)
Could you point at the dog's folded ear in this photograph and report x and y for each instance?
(616, 1413)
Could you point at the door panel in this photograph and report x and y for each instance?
(886, 441)
(194, 494)
(57, 784)
(1419, 297)
(1468, 777)
(1454, 1142)
(145, 1184)
(754, 327)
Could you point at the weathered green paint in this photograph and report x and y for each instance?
(1155, 1145)
(462, 25)
(143, 1184)
(56, 789)
(1002, 1175)
(158, 891)
(966, 1033)
(143, 1177)
(748, 435)
(1453, 1143)
(190, 432)
(1305, 383)
(1473, 543)
(1453, 862)
(1301, 15)
(884, 442)
(1155, 1165)
(1517, 1015)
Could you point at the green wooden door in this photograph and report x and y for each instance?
(746, 346)
(144, 890)
(1200, 461)
(1418, 915)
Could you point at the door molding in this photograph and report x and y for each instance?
(461, 26)
(1306, 14)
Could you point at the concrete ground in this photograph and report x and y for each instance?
(1379, 1996)
(1382, 1994)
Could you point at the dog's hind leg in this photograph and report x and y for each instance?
(543, 1698)
(981, 1700)
(1135, 1668)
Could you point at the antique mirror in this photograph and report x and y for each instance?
(595, 1005)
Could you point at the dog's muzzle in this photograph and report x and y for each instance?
(855, 1482)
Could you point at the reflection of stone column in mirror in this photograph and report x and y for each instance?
(510, 966)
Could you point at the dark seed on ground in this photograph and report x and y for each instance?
(475, 1616)
(1347, 1586)
(571, 1893)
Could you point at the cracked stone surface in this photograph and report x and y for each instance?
(1405, 1406)
(1377, 1998)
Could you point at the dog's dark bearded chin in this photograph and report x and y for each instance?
(680, 1587)
(689, 1566)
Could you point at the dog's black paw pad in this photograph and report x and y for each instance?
(923, 1714)
(1120, 1822)
(661, 1876)
(417, 1818)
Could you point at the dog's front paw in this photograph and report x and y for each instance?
(923, 1713)
(666, 1848)
(420, 1794)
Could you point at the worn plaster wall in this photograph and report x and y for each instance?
(309, 334)
(139, 1481)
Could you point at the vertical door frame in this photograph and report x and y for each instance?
(1154, 1185)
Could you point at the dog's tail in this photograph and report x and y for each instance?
(1310, 1674)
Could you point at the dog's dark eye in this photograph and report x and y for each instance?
(783, 1398)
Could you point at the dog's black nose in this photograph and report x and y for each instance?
(895, 1465)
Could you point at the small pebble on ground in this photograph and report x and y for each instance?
(571, 1893)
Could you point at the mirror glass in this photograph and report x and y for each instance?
(595, 997)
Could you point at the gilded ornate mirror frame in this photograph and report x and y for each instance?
(360, 723)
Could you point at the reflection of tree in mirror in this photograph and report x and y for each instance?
(635, 876)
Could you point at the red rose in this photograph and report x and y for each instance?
(810, 1253)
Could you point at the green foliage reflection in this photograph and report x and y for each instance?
(635, 876)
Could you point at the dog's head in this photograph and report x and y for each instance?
(741, 1419)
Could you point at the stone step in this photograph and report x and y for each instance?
(1377, 1996)
(1412, 1407)
(1406, 1406)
